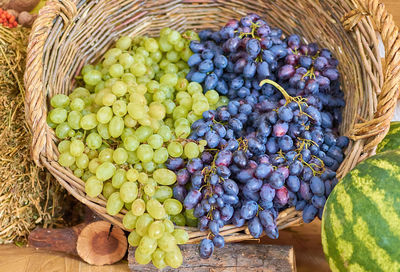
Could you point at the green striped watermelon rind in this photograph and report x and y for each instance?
(361, 219)
(391, 140)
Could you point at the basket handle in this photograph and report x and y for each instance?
(375, 129)
(36, 91)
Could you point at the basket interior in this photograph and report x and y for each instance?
(97, 24)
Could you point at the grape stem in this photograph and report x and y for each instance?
(297, 99)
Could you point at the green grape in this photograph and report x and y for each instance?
(93, 187)
(76, 148)
(181, 122)
(171, 69)
(164, 176)
(58, 115)
(156, 230)
(138, 69)
(149, 190)
(147, 245)
(143, 177)
(134, 238)
(71, 133)
(169, 106)
(50, 123)
(160, 155)
(223, 100)
(74, 118)
(145, 152)
(132, 174)
(142, 51)
(163, 193)
(186, 53)
(89, 121)
(86, 175)
(62, 130)
(104, 115)
(120, 155)
(152, 182)
(127, 132)
(174, 258)
(173, 56)
(192, 117)
(129, 78)
(114, 204)
(179, 46)
(180, 112)
(174, 37)
(157, 110)
(116, 126)
(66, 159)
(114, 52)
(191, 150)
(79, 92)
(116, 70)
(151, 45)
(155, 209)
(139, 167)
(105, 171)
(175, 149)
(131, 143)
(172, 206)
(143, 223)
(60, 101)
(138, 207)
(164, 45)
(128, 191)
(192, 35)
(78, 172)
(194, 87)
(169, 226)
(179, 219)
(181, 236)
(87, 68)
(124, 43)
(108, 189)
(165, 132)
(158, 259)
(93, 165)
(63, 146)
(199, 107)
(129, 220)
(169, 79)
(102, 130)
(153, 86)
(212, 96)
(149, 167)
(141, 258)
(119, 108)
(143, 132)
(155, 141)
(94, 141)
(108, 99)
(120, 176)
(182, 131)
(138, 98)
(156, 57)
(132, 158)
(119, 88)
(126, 60)
(92, 77)
(129, 121)
(167, 242)
(106, 155)
(82, 161)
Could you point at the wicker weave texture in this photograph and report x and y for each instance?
(71, 33)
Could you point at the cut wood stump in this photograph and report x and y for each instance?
(97, 243)
(235, 257)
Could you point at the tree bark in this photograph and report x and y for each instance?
(235, 257)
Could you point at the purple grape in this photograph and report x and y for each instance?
(218, 241)
(255, 227)
(192, 199)
(179, 193)
(267, 193)
(206, 248)
(249, 210)
(282, 196)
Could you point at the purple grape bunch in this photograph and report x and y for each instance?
(275, 145)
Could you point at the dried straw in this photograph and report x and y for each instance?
(28, 196)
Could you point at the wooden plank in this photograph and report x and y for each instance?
(233, 257)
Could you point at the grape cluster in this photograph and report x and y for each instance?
(276, 144)
(132, 112)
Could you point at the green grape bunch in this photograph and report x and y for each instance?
(132, 111)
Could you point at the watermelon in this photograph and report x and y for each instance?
(361, 219)
(392, 139)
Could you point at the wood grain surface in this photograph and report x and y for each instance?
(305, 239)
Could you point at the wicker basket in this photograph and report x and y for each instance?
(71, 33)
